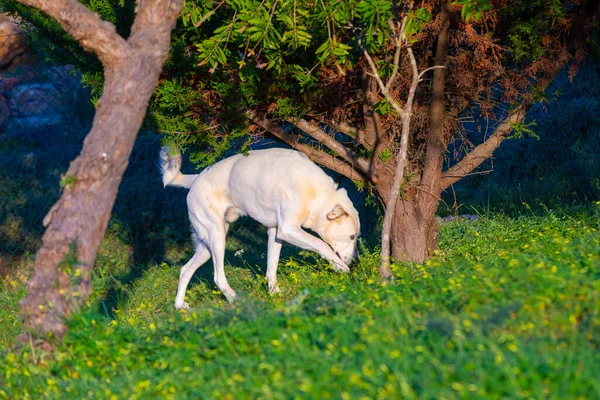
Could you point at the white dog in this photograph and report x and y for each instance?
(283, 190)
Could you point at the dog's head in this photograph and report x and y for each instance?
(339, 226)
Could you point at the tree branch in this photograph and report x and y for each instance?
(375, 74)
(482, 152)
(487, 148)
(397, 54)
(150, 16)
(95, 35)
(436, 143)
(430, 69)
(401, 157)
(318, 156)
(345, 153)
(347, 129)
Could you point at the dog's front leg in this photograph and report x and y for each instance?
(273, 251)
(298, 237)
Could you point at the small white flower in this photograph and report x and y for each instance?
(239, 253)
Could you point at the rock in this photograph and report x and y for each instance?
(15, 77)
(36, 105)
(13, 43)
(35, 99)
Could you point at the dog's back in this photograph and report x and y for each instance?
(261, 183)
(256, 184)
(267, 180)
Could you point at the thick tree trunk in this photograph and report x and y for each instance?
(414, 232)
(61, 281)
(436, 142)
(63, 265)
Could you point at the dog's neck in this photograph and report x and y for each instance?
(317, 218)
(314, 218)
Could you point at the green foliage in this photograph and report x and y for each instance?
(535, 20)
(384, 155)
(284, 36)
(507, 308)
(94, 81)
(416, 21)
(473, 9)
(522, 129)
(525, 39)
(68, 181)
(287, 107)
(305, 78)
(383, 107)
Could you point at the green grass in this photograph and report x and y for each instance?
(509, 307)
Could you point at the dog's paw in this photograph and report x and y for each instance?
(341, 267)
(229, 295)
(274, 288)
(182, 306)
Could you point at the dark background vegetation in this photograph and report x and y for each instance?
(557, 166)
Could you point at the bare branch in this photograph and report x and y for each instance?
(397, 54)
(95, 35)
(341, 150)
(345, 128)
(318, 156)
(375, 73)
(415, 79)
(483, 151)
(401, 157)
(430, 69)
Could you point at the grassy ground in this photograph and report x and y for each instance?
(508, 308)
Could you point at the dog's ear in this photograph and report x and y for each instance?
(336, 212)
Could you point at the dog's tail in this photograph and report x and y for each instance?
(170, 166)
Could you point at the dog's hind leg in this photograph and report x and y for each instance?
(273, 251)
(187, 271)
(217, 248)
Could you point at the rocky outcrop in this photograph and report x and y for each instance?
(13, 43)
(35, 95)
(41, 97)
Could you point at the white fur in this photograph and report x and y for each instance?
(283, 190)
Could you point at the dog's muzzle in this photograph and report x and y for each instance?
(355, 259)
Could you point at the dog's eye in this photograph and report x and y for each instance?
(352, 237)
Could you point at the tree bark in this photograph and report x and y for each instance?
(61, 280)
(414, 232)
(436, 143)
(415, 229)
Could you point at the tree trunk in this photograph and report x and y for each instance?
(61, 281)
(414, 231)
